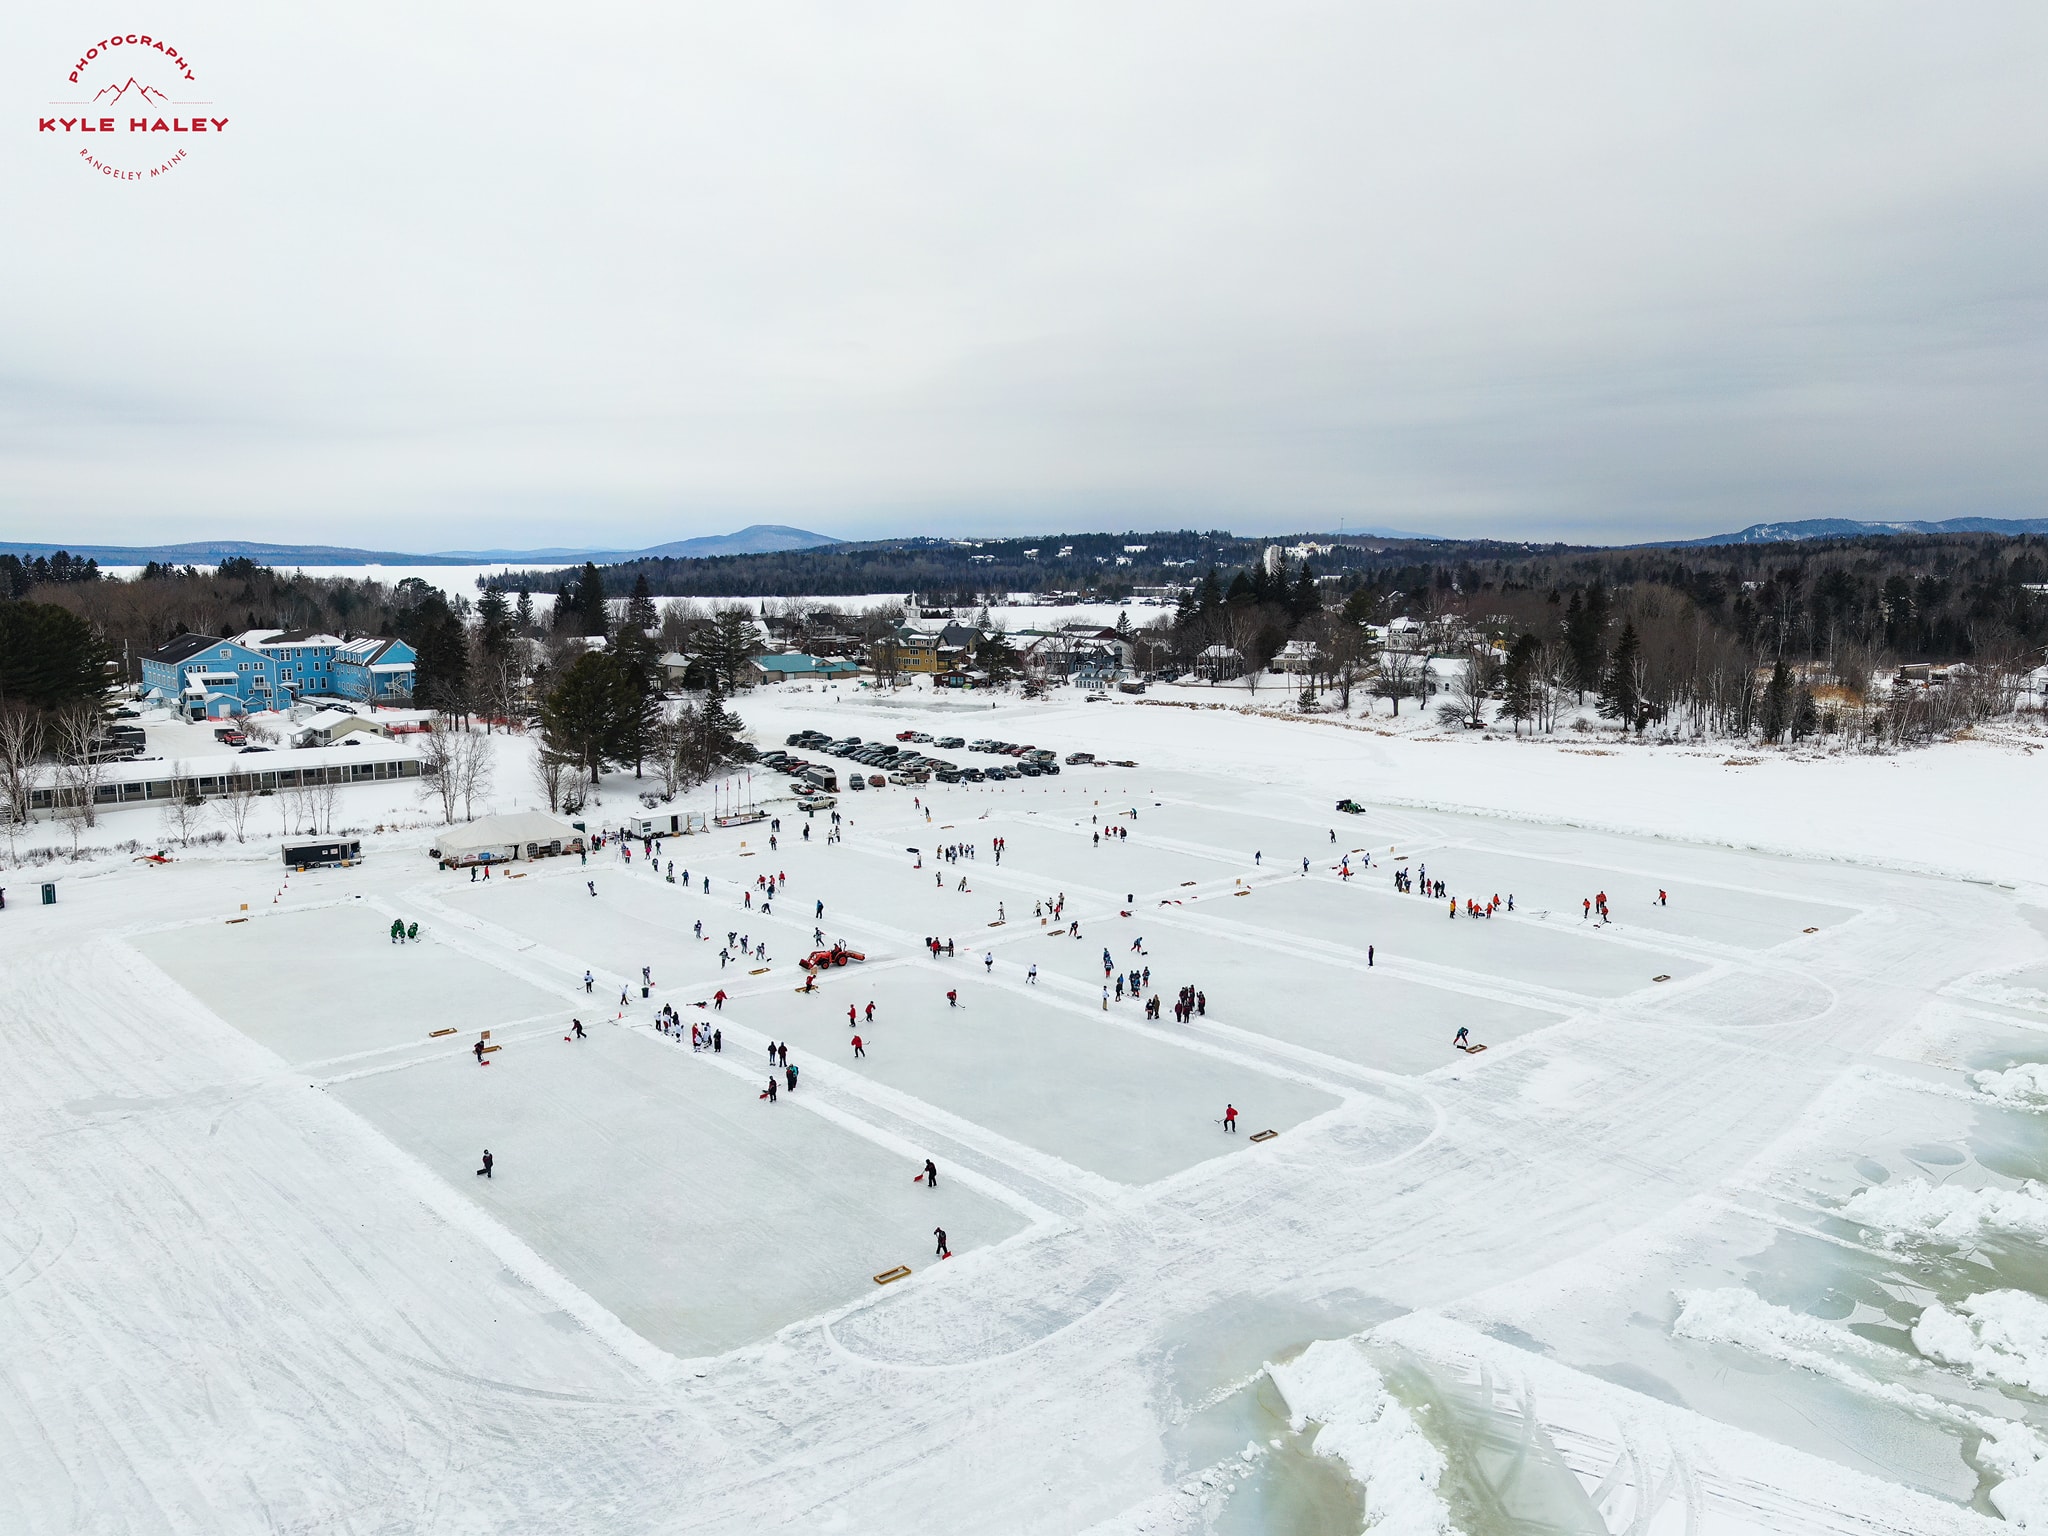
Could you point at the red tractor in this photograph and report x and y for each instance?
(838, 954)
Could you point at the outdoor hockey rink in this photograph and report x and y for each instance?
(1639, 1225)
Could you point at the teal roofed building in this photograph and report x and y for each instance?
(795, 666)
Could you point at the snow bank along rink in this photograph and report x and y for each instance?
(1623, 1271)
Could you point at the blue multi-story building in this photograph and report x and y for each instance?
(205, 676)
(375, 671)
(305, 661)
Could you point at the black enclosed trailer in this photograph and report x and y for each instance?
(317, 855)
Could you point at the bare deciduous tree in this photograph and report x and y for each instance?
(440, 774)
(474, 765)
(181, 811)
(81, 768)
(1399, 677)
(21, 747)
(237, 798)
(551, 772)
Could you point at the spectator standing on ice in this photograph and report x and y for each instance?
(490, 1162)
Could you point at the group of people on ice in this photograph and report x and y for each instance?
(1408, 883)
(1483, 908)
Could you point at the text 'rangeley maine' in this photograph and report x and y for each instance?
(129, 128)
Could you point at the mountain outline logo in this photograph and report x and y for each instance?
(113, 93)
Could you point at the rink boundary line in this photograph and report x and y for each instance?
(1426, 972)
(1148, 1032)
(1065, 1178)
(426, 1043)
(428, 1058)
(441, 1199)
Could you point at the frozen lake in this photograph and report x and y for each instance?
(1734, 1226)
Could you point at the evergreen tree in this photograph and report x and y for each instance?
(1520, 682)
(441, 651)
(494, 623)
(639, 668)
(994, 654)
(49, 656)
(592, 614)
(1242, 590)
(1621, 698)
(1209, 592)
(1805, 714)
(523, 614)
(584, 715)
(1308, 597)
(720, 729)
(1774, 718)
(1585, 637)
(640, 611)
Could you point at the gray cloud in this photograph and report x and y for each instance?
(505, 275)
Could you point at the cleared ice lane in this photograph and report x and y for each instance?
(1036, 1065)
(701, 1215)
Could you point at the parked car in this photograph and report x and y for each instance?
(950, 743)
(855, 781)
(906, 735)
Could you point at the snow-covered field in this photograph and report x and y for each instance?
(1733, 1227)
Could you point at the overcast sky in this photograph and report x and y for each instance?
(487, 275)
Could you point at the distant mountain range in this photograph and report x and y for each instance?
(776, 538)
(760, 539)
(1852, 528)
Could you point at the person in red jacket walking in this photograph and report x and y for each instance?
(1230, 1117)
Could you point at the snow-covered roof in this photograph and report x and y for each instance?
(330, 720)
(508, 829)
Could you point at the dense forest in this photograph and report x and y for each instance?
(1733, 639)
(1104, 565)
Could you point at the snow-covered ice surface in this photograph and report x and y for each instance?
(1734, 1227)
